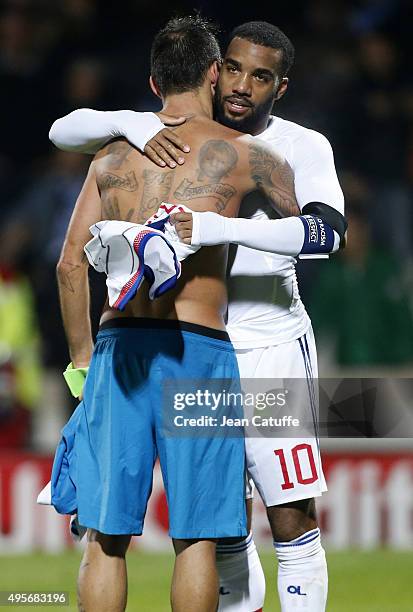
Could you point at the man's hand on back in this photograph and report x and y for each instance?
(166, 147)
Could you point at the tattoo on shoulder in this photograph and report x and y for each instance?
(275, 178)
(262, 165)
(127, 182)
(119, 150)
(156, 189)
(216, 159)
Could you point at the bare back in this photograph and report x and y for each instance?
(222, 168)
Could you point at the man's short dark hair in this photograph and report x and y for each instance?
(267, 35)
(182, 52)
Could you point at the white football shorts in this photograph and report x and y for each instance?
(285, 469)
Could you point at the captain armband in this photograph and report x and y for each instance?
(319, 237)
(325, 229)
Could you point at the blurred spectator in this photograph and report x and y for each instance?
(19, 335)
(34, 236)
(20, 361)
(83, 85)
(32, 241)
(379, 117)
(362, 302)
(19, 68)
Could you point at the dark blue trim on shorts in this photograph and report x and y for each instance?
(149, 323)
(310, 383)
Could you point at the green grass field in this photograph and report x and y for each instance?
(379, 581)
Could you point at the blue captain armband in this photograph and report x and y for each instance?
(318, 235)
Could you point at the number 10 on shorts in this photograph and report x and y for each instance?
(297, 452)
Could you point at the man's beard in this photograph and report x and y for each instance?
(259, 116)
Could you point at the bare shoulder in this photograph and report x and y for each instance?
(264, 160)
(244, 153)
(115, 153)
(115, 166)
(259, 150)
(270, 172)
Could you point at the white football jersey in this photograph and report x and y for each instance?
(265, 307)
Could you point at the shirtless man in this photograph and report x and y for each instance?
(180, 335)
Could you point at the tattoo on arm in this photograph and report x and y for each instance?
(261, 165)
(127, 182)
(66, 273)
(156, 189)
(275, 178)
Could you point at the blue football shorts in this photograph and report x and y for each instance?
(103, 467)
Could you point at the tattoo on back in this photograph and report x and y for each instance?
(111, 210)
(276, 179)
(216, 159)
(156, 189)
(220, 191)
(127, 182)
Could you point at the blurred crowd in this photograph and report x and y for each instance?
(351, 81)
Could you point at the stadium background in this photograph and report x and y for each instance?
(351, 81)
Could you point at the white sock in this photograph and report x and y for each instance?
(302, 573)
(241, 578)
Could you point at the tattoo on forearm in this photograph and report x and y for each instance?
(65, 275)
(216, 159)
(111, 209)
(127, 182)
(276, 179)
(156, 189)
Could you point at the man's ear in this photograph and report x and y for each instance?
(214, 72)
(282, 88)
(153, 85)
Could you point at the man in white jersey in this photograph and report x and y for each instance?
(271, 331)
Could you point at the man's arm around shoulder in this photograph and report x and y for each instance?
(86, 130)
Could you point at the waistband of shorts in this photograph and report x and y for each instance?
(149, 323)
